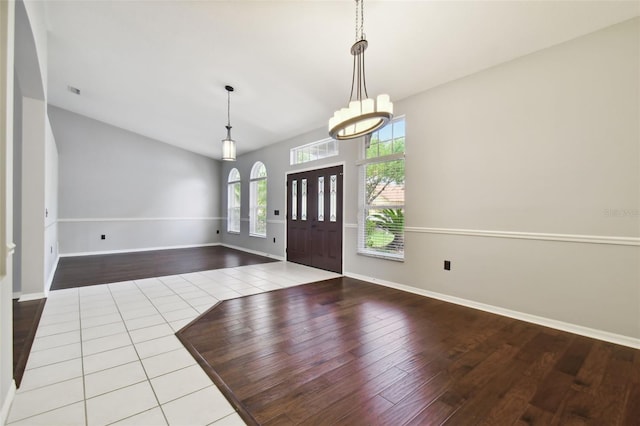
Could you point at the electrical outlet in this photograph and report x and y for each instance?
(447, 265)
(103, 237)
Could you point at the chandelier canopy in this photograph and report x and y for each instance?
(228, 144)
(363, 115)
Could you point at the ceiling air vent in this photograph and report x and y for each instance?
(74, 90)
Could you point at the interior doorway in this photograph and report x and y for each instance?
(314, 218)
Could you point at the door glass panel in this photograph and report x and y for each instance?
(303, 196)
(294, 200)
(320, 198)
(333, 199)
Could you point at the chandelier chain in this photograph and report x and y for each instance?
(359, 20)
(362, 19)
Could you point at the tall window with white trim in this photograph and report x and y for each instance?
(233, 201)
(382, 176)
(258, 200)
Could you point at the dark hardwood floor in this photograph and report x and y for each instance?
(347, 352)
(109, 268)
(26, 316)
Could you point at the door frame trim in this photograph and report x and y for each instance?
(286, 198)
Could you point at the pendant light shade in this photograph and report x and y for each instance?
(228, 144)
(228, 149)
(363, 115)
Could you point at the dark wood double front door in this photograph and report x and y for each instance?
(314, 218)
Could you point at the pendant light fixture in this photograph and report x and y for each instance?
(364, 115)
(228, 144)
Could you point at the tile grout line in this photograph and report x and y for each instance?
(44, 412)
(140, 359)
(133, 415)
(235, 413)
(84, 386)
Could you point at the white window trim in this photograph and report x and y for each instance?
(253, 182)
(363, 162)
(229, 184)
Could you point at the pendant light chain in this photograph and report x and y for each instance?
(228, 108)
(228, 126)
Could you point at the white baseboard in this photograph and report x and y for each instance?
(92, 253)
(32, 296)
(606, 336)
(259, 253)
(6, 404)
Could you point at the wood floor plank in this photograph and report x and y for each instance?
(279, 384)
(514, 402)
(632, 410)
(366, 413)
(593, 369)
(330, 405)
(346, 352)
(436, 413)
(571, 361)
(415, 379)
(415, 402)
(26, 317)
(552, 391)
(479, 400)
(535, 417)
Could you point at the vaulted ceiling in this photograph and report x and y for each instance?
(158, 68)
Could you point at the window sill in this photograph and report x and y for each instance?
(233, 232)
(384, 256)
(258, 235)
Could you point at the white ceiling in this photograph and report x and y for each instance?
(158, 68)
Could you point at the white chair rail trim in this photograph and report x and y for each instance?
(567, 238)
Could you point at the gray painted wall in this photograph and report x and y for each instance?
(17, 185)
(34, 119)
(51, 206)
(7, 385)
(548, 144)
(40, 145)
(139, 192)
(35, 161)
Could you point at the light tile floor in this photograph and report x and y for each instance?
(107, 354)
